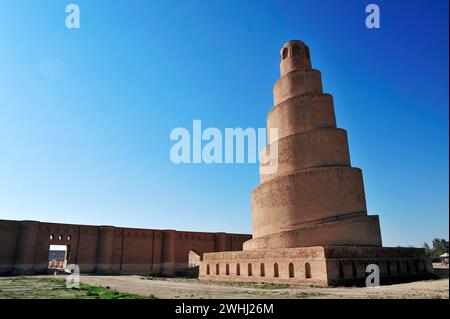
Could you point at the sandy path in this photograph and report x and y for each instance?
(192, 288)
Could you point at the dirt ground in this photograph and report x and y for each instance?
(193, 288)
(120, 287)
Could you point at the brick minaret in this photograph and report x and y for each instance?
(310, 222)
(315, 197)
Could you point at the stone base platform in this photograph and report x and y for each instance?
(319, 265)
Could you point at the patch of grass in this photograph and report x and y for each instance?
(53, 280)
(273, 286)
(18, 279)
(314, 286)
(55, 288)
(96, 292)
(308, 294)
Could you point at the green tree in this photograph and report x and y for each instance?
(439, 247)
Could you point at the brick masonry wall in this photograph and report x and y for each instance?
(24, 247)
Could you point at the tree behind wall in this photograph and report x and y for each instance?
(440, 246)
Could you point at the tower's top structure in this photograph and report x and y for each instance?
(294, 56)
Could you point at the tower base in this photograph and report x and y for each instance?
(355, 229)
(319, 265)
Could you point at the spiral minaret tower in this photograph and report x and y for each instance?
(315, 196)
(309, 215)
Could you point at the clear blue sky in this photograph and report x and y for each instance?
(85, 115)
